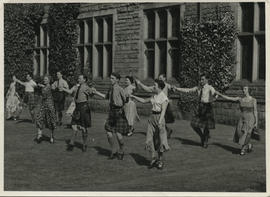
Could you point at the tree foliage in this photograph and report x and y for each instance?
(63, 37)
(20, 21)
(207, 47)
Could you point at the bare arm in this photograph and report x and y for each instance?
(140, 99)
(69, 91)
(163, 111)
(255, 113)
(99, 94)
(228, 97)
(40, 85)
(20, 82)
(144, 87)
(186, 90)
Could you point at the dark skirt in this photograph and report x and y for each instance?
(29, 99)
(59, 104)
(82, 115)
(117, 121)
(205, 117)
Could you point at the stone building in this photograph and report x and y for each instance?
(141, 39)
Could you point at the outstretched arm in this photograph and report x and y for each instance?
(20, 82)
(228, 97)
(186, 90)
(99, 94)
(140, 99)
(69, 91)
(144, 87)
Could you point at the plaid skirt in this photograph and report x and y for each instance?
(59, 104)
(29, 99)
(205, 117)
(117, 121)
(82, 115)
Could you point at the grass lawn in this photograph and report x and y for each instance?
(188, 167)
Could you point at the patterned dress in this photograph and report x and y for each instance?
(46, 116)
(246, 122)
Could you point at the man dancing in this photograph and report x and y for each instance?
(116, 123)
(205, 116)
(59, 96)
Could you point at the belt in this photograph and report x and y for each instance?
(115, 107)
(156, 112)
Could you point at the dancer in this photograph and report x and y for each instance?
(46, 117)
(130, 106)
(29, 97)
(247, 121)
(59, 96)
(169, 117)
(81, 117)
(156, 138)
(116, 124)
(13, 104)
(205, 116)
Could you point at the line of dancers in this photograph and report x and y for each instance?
(122, 112)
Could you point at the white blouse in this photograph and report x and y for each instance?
(158, 100)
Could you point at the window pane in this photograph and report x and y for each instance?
(261, 41)
(109, 59)
(150, 56)
(162, 57)
(247, 17)
(109, 23)
(100, 29)
(175, 22)
(246, 57)
(45, 35)
(37, 58)
(81, 25)
(100, 60)
(89, 59)
(262, 16)
(151, 25)
(38, 37)
(162, 24)
(90, 31)
(81, 51)
(44, 51)
(174, 53)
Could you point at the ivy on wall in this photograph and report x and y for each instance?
(207, 47)
(20, 21)
(63, 37)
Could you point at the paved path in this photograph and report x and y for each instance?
(188, 167)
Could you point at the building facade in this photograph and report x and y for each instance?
(142, 40)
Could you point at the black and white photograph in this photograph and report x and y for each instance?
(161, 97)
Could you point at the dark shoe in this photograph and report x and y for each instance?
(84, 148)
(120, 156)
(70, 147)
(160, 165)
(52, 140)
(152, 163)
(112, 156)
(169, 133)
(38, 140)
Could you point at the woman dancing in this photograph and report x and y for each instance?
(130, 107)
(247, 120)
(46, 117)
(156, 138)
(13, 107)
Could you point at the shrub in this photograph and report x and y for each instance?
(206, 47)
(20, 21)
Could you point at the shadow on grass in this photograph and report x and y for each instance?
(187, 141)
(228, 148)
(24, 121)
(76, 144)
(140, 132)
(140, 160)
(102, 151)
